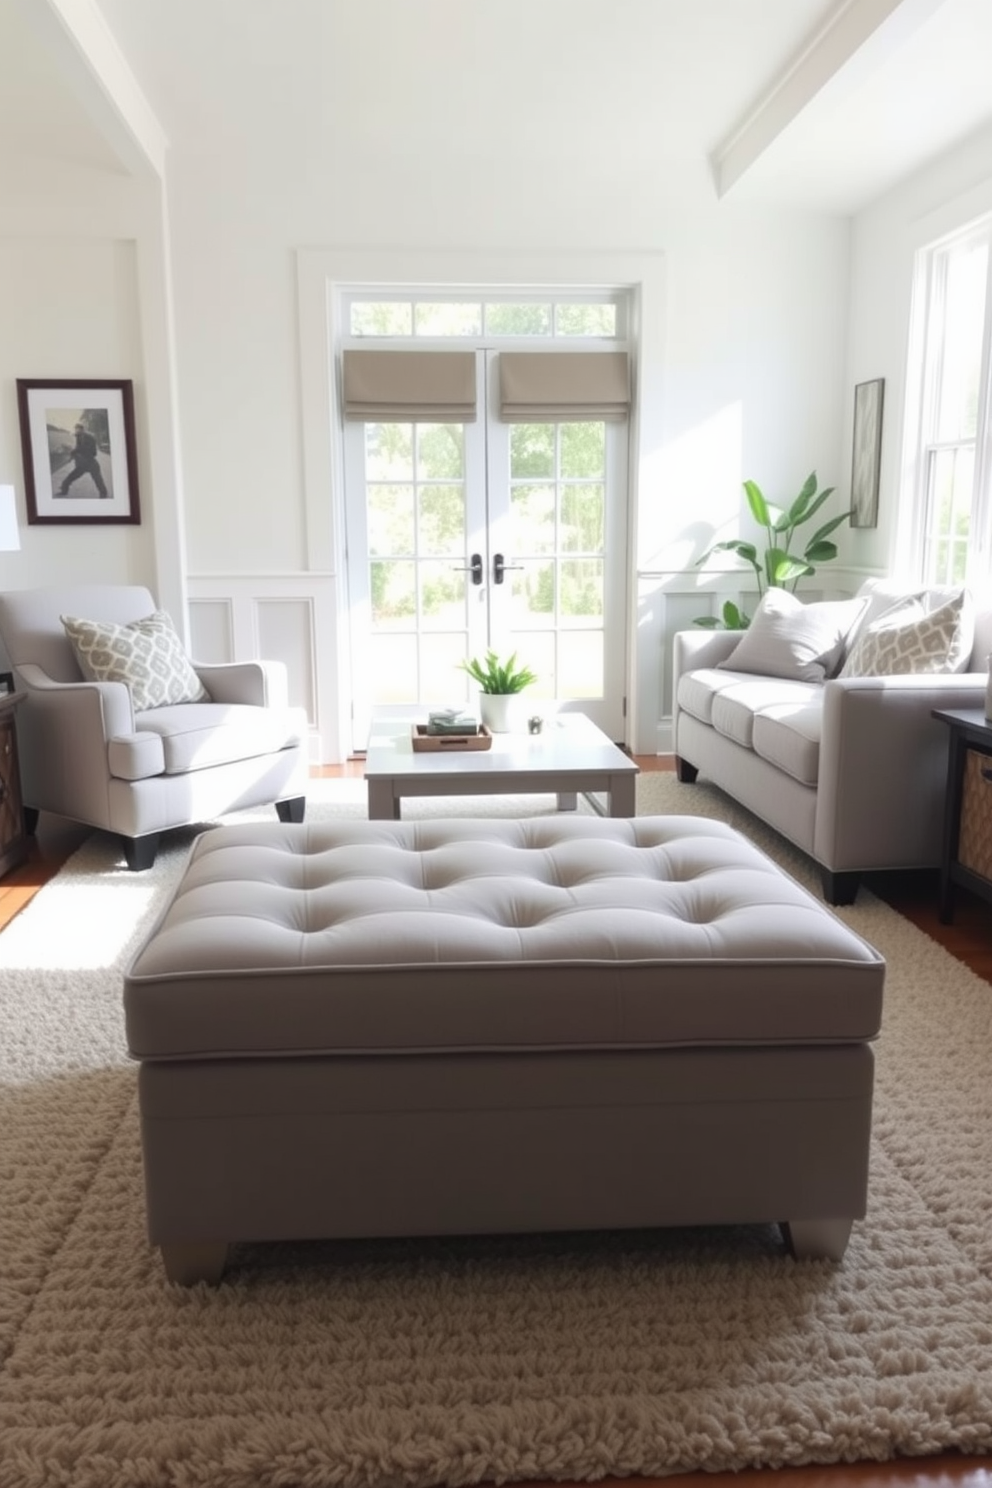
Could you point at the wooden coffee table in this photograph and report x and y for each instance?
(570, 755)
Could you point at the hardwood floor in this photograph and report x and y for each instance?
(913, 895)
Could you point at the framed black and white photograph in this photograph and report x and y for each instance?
(77, 441)
(867, 456)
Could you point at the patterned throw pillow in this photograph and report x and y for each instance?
(915, 636)
(146, 654)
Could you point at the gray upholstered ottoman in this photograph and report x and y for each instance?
(379, 1028)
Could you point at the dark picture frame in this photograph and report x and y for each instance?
(866, 457)
(78, 447)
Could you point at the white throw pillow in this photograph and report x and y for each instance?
(147, 655)
(922, 633)
(803, 642)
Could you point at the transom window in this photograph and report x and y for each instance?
(489, 320)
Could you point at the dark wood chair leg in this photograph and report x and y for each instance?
(293, 809)
(686, 773)
(840, 888)
(139, 852)
(31, 814)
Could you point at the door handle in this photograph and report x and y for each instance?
(474, 567)
(500, 567)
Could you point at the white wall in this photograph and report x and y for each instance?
(744, 348)
(949, 193)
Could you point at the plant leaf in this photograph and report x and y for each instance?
(830, 526)
(757, 503)
(733, 618)
(784, 569)
(820, 552)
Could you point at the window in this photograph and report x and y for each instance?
(951, 508)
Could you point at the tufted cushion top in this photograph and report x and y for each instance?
(548, 933)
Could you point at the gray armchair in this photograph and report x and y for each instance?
(88, 755)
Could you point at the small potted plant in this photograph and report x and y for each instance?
(499, 683)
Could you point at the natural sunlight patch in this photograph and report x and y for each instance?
(85, 926)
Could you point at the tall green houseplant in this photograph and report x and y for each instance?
(777, 566)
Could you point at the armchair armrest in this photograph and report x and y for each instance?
(91, 706)
(883, 768)
(263, 684)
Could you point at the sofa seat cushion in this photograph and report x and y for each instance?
(788, 736)
(197, 736)
(736, 708)
(698, 689)
(359, 937)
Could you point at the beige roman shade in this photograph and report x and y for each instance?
(409, 386)
(563, 385)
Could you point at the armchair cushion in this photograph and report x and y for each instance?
(147, 655)
(209, 734)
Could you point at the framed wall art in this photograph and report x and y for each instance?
(867, 456)
(77, 441)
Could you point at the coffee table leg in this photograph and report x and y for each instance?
(568, 801)
(623, 798)
(383, 805)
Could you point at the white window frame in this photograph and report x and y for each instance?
(926, 361)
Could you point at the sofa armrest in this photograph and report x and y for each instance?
(702, 648)
(263, 684)
(64, 729)
(883, 768)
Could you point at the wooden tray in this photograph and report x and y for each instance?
(425, 743)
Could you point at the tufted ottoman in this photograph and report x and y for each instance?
(380, 1028)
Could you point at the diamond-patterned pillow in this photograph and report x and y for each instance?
(913, 636)
(146, 654)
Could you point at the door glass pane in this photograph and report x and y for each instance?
(580, 665)
(532, 520)
(393, 588)
(440, 452)
(441, 679)
(442, 520)
(390, 520)
(442, 595)
(583, 519)
(389, 452)
(532, 451)
(583, 451)
(537, 650)
(533, 593)
(581, 595)
(392, 669)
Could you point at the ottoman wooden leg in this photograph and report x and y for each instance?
(818, 1239)
(202, 1260)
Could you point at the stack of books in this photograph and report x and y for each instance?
(451, 721)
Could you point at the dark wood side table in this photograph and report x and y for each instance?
(970, 754)
(13, 838)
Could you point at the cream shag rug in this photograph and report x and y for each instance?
(392, 1363)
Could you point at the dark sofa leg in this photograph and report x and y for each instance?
(840, 888)
(139, 852)
(30, 820)
(293, 809)
(686, 773)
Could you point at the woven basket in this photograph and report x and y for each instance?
(975, 837)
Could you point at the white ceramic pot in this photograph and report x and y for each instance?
(499, 711)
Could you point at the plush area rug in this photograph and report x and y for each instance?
(385, 1364)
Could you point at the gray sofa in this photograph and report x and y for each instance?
(851, 769)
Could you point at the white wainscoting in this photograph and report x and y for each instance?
(283, 617)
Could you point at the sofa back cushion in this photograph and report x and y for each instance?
(801, 642)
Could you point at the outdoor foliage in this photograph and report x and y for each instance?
(777, 566)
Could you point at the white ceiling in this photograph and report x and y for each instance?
(822, 104)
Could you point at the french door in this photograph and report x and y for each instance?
(466, 537)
